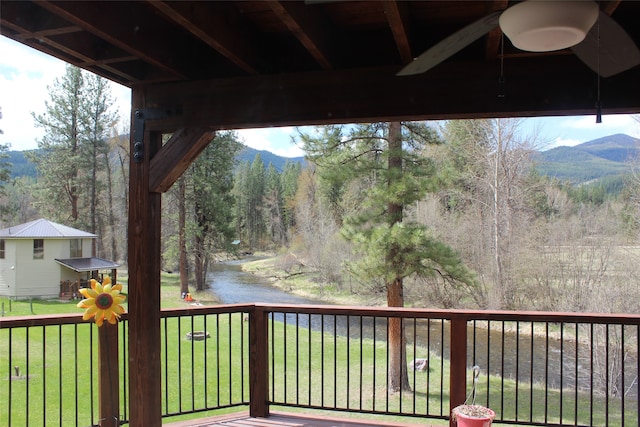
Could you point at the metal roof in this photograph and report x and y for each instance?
(88, 264)
(42, 229)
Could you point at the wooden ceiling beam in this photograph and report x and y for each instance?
(398, 18)
(563, 86)
(305, 27)
(225, 30)
(175, 156)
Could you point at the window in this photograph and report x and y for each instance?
(1, 248)
(75, 248)
(38, 249)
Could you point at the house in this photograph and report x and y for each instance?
(43, 259)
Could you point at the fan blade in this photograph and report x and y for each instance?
(451, 45)
(616, 52)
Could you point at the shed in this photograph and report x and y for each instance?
(38, 258)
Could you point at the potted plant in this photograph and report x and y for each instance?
(470, 414)
(473, 416)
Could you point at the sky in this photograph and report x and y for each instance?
(25, 75)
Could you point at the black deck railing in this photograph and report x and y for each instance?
(535, 368)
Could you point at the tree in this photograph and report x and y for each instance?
(289, 184)
(58, 158)
(386, 161)
(273, 208)
(490, 170)
(208, 191)
(72, 160)
(5, 166)
(98, 122)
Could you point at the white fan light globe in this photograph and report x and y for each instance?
(544, 26)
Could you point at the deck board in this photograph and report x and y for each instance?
(283, 419)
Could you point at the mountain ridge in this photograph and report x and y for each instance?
(591, 160)
(23, 167)
(599, 158)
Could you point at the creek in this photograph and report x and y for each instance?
(232, 285)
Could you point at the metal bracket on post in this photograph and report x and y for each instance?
(138, 127)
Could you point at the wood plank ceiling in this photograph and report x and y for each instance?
(265, 63)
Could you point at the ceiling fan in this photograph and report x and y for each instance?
(545, 26)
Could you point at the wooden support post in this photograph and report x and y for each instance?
(108, 378)
(145, 384)
(258, 363)
(458, 372)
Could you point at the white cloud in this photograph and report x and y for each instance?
(25, 75)
(611, 124)
(275, 140)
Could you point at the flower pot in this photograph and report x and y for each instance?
(473, 416)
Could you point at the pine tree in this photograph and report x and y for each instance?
(5, 166)
(58, 157)
(382, 166)
(209, 185)
(72, 157)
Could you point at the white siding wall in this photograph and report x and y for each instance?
(7, 273)
(38, 277)
(86, 248)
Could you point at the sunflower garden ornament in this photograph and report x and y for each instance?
(102, 301)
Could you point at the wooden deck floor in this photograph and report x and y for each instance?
(282, 419)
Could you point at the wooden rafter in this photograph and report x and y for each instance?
(225, 31)
(397, 15)
(93, 21)
(305, 27)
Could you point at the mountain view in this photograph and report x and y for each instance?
(22, 167)
(608, 157)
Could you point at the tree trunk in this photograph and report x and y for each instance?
(199, 262)
(398, 377)
(182, 244)
(111, 210)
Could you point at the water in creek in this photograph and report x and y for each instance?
(231, 285)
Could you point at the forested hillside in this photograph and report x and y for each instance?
(603, 157)
(21, 166)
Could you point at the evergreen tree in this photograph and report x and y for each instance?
(72, 153)
(289, 185)
(273, 208)
(210, 181)
(256, 190)
(241, 194)
(98, 121)
(58, 159)
(386, 160)
(5, 165)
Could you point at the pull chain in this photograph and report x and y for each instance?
(598, 102)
